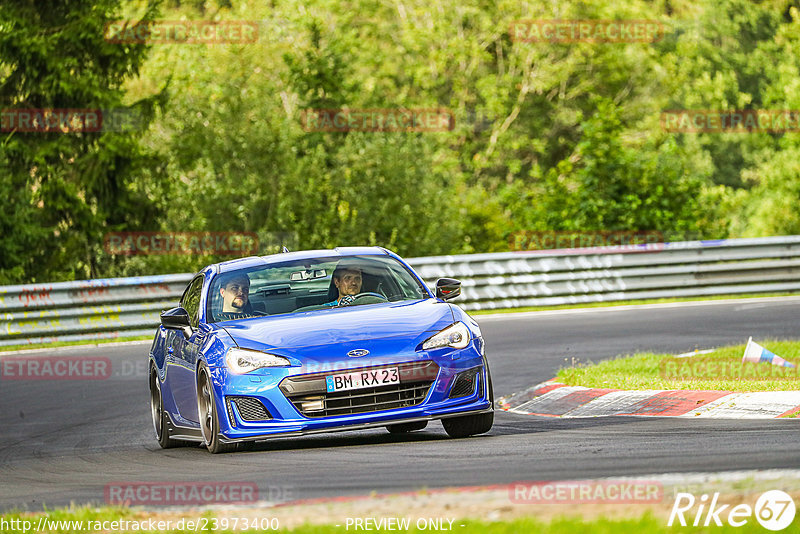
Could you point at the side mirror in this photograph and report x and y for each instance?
(448, 288)
(177, 319)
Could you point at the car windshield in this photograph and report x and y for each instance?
(311, 284)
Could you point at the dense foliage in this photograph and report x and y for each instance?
(546, 136)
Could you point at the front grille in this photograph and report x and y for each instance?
(249, 408)
(308, 393)
(464, 384)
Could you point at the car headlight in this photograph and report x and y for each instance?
(456, 336)
(242, 361)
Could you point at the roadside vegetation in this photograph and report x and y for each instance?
(720, 370)
(546, 136)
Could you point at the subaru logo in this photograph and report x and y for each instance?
(357, 353)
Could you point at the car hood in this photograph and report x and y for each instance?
(412, 321)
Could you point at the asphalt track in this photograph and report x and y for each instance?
(64, 441)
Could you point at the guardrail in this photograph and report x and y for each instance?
(87, 309)
(122, 307)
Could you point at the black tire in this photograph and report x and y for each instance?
(406, 427)
(470, 425)
(207, 413)
(159, 416)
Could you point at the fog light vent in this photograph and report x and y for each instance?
(464, 384)
(250, 408)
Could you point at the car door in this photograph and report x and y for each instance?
(184, 385)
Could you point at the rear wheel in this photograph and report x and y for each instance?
(159, 415)
(402, 428)
(207, 411)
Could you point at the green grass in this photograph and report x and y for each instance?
(53, 344)
(663, 371)
(639, 523)
(630, 302)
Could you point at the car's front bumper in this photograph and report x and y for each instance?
(287, 420)
(356, 426)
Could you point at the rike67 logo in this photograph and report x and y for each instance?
(774, 510)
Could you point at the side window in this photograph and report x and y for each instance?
(191, 300)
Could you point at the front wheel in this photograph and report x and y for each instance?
(207, 412)
(468, 425)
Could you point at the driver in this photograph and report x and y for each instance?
(235, 293)
(347, 279)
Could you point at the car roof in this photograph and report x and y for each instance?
(260, 261)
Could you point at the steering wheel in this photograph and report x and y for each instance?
(349, 300)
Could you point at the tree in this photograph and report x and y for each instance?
(71, 186)
(605, 184)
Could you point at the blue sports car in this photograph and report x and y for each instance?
(315, 341)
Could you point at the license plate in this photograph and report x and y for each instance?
(362, 379)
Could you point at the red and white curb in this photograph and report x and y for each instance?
(553, 399)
